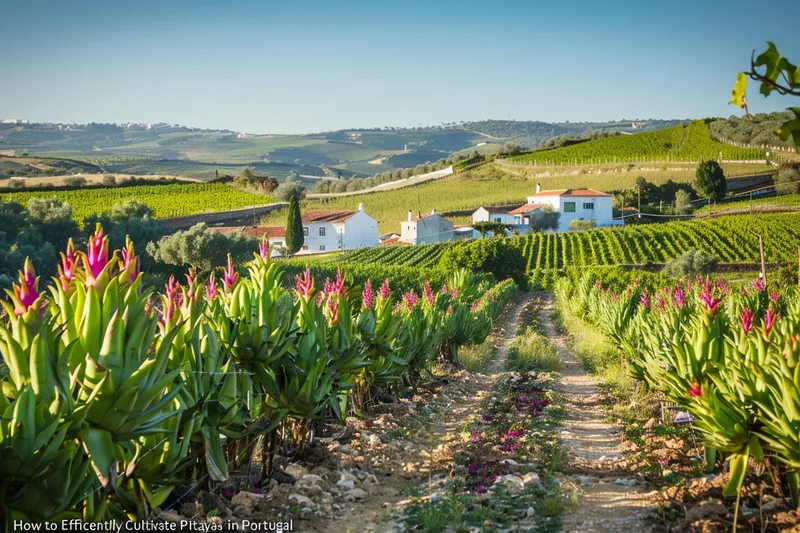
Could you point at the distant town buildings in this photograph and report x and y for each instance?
(15, 121)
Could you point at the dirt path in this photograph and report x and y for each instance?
(609, 500)
(435, 451)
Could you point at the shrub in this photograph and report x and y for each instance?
(286, 191)
(683, 202)
(109, 180)
(710, 180)
(581, 225)
(786, 174)
(532, 351)
(75, 181)
(691, 263)
(475, 357)
(493, 256)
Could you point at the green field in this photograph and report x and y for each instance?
(788, 200)
(492, 185)
(732, 239)
(691, 142)
(165, 200)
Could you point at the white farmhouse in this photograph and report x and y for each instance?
(520, 219)
(426, 228)
(324, 231)
(576, 204)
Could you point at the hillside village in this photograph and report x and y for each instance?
(325, 231)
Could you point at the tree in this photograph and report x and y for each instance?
(75, 181)
(130, 209)
(289, 191)
(294, 228)
(710, 181)
(691, 263)
(510, 149)
(202, 249)
(109, 180)
(683, 202)
(779, 75)
(498, 229)
(786, 174)
(53, 219)
(548, 220)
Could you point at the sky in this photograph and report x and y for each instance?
(298, 66)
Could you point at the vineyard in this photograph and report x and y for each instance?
(165, 200)
(691, 142)
(788, 201)
(733, 239)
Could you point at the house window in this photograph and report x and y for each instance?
(321, 247)
(305, 248)
(569, 207)
(497, 219)
(588, 205)
(321, 232)
(305, 231)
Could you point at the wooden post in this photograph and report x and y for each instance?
(763, 261)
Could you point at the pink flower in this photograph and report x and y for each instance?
(449, 309)
(333, 306)
(305, 285)
(97, 254)
(428, 292)
(710, 303)
(410, 299)
(774, 297)
(28, 289)
(696, 389)
(645, 300)
(597, 284)
(454, 293)
(211, 288)
(444, 288)
(769, 320)
(759, 284)
(385, 291)
(129, 263)
(231, 277)
(679, 297)
(747, 320)
(366, 294)
(636, 282)
(661, 304)
(476, 305)
(68, 266)
(263, 249)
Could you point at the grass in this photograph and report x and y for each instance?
(533, 351)
(476, 357)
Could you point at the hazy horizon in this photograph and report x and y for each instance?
(306, 67)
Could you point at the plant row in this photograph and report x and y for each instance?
(115, 395)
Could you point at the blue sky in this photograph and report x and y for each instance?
(302, 66)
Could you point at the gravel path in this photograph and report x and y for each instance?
(608, 500)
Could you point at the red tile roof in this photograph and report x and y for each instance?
(394, 241)
(327, 216)
(571, 192)
(527, 208)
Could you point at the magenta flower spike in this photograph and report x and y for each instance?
(97, 253)
(444, 288)
(679, 297)
(385, 290)
(747, 320)
(428, 292)
(476, 305)
(769, 320)
(710, 303)
(774, 297)
(305, 285)
(211, 288)
(333, 307)
(130, 262)
(68, 266)
(696, 389)
(366, 295)
(263, 249)
(231, 277)
(759, 284)
(645, 300)
(28, 289)
(410, 299)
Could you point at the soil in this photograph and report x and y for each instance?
(609, 500)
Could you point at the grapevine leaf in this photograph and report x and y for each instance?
(791, 128)
(737, 95)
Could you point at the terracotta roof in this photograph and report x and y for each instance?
(628, 209)
(327, 216)
(254, 232)
(571, 192)
(527, 208)
(394, 241)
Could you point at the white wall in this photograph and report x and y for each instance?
(601, 214)
(432, 228)
(360, 230)
(315, 242)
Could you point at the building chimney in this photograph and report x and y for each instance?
(538, 188)
(410, 216)
(360, 207)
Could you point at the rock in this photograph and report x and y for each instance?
(627, 481)
(771, 504)
(301, 500)
(513, 484)
(437, 497)
(371, 479)
(374, 440)
(314, 490)
(306, 510)
(313, 478)
(326, 497)
(193, 510)
(244, 503)
(346, 476)
(511, 463)
(531, 479)
(650, 424)
(296, 471)
(355, 494)
(584, 481)
(346, 484)
(529, 512)
(708, 509)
